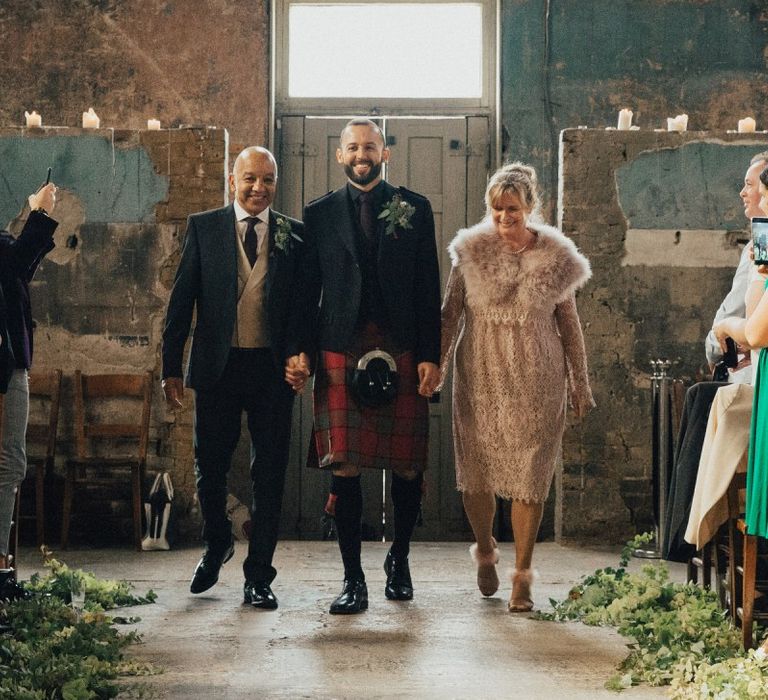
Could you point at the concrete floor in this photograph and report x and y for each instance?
(447, 643)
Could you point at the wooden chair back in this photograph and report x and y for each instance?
(90, 423)
(45, 386)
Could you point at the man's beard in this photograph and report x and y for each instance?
(374, 170)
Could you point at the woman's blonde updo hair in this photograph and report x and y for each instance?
(519, 179)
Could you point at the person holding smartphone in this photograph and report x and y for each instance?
(19, 259)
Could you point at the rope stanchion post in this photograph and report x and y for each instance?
(661, 447)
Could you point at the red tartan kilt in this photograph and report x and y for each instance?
(388, 437)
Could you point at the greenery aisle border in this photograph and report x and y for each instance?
(681, 636)
(51, 651)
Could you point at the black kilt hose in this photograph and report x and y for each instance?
(393, 436)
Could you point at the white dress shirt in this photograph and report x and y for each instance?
(262, 225)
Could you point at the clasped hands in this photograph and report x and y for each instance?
(297, 371)
(297, 374)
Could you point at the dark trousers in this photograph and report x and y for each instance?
(682, 480)
(252, 382)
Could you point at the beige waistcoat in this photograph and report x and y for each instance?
(251, 322)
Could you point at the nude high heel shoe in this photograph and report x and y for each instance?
(520, 600)
(487, 578)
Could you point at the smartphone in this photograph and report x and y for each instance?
(731, 358)
(48, 179)
(760, 239)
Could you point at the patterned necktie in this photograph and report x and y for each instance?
(251, 241)
(367, 215)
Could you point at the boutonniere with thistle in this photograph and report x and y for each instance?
(284, 236)
(397, 213)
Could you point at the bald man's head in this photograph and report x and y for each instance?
(254, 179)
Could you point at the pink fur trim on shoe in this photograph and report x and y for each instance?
(487, 578)
(520, 600)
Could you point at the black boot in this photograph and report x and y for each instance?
(399, 585)
(348, 516)
(10, 589)
(353, 598)
(406, 501)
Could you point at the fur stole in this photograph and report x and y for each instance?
(548, 273)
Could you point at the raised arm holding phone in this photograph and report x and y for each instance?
(19, 258)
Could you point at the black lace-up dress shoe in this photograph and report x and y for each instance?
(399, 585)
(259, 595)
(207, 570)
(10, 588)
(353, 598)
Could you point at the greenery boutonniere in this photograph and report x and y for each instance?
(284, 235)
(397, 213)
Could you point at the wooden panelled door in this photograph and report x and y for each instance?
(445, 159)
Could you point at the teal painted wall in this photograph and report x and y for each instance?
(113, 183)
(692, 187)
(589, 58)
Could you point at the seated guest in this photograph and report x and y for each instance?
(699, 397)
(733, 305)
(19, 258)
(728, 430)
(756, 334)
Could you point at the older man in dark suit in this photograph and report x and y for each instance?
(371, 265)
(236, 270)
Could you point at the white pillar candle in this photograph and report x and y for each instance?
(678, 123)
(33, 119)
(625, 119)
(746, 125)
(153, 124)
(91, 119)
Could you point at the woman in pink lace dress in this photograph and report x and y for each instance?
(511, 326)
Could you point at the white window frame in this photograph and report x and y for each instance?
(284, 104)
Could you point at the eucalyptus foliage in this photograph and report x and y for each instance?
(680, 635)
(49, 651)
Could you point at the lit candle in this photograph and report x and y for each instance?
(746, 125)
(625, 119)
(678, 123)
(90, 119)
(34, 119)
(153, 124)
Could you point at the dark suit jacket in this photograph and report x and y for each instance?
(19, 259)
(206, 281)
(408, 273)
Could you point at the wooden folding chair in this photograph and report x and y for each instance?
(99, 427)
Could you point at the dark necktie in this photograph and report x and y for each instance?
(251, 241)
(367, 215)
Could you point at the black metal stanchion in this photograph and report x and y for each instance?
(661, 446)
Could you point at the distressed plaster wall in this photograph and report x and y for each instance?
(671, 187)
(196, 62)
(578, 62)
(99, 297)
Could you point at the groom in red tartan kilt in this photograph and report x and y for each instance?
(369, 281)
